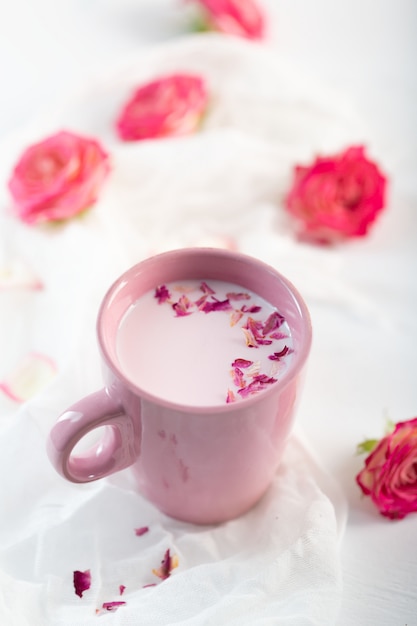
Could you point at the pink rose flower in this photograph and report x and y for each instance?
(390, 473)
(58, 177)
(337, 197)
(169, 106)
(233, 17)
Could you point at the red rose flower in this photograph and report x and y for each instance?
(58, 177)
(165, 107)
(233, 17)
(390, 473)
(337, 197)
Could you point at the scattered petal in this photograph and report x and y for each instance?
(278, 355)
(205, 288)
(30, 376)
(237, 377)
(182, 307)
(274, 321)
(242, 363)
(230, 396)
(254, 369)
(141, 531)
(162, 294)
(237, 296)
(122, 589)
(149, 585)
(278, 335)
(216, 305)
(235, 317)
(168, 563)
(250, 339)
(82, 581)
(251, 309)
(113, 606)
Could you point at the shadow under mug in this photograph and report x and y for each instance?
(197, 464)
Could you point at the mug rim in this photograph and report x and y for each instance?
(139, 267)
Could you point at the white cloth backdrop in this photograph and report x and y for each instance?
(280, 563)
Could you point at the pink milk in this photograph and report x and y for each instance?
(203, 343)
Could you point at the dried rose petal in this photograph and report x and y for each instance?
(235, 317)
(206, 289)
(149, 585)
(141, 531)
(278, 335)
(216, 305)
(82, 581)
(250, 339)
(168, 563)
(237, 296)
(274, 321)
(162, 294)
(182, 307)
(251, 309)
(237, 377)
(230, 396)
(278, 355)
(201, 301)
(242, 363)
(113, 606)
(31, 375)
(254, 369)
(122, 589)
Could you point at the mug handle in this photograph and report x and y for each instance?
(118, 448)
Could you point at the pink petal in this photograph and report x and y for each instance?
(251, 309)
(205, 288)
(278, 355)
(235, 316)
(274, 321)
(82, 582)
(237, 296)
(182, 307)
(168, 563)
(216, 305)
(113, 606)
(30, 376)
(141, 531)
(230, 396)
(242, 363)
(122, 589)
(250, 339)
(162, 294)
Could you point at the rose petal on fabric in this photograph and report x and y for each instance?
(168, 563)
(58, 178)
(113, 606)
(168, 106)
(33, 373)
(82, 581)
(122, 589)
(141, 531)
(162, 294)
(18, 275)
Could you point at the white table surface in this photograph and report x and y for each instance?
(367, 51)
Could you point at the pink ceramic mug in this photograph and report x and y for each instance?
(197, 464)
